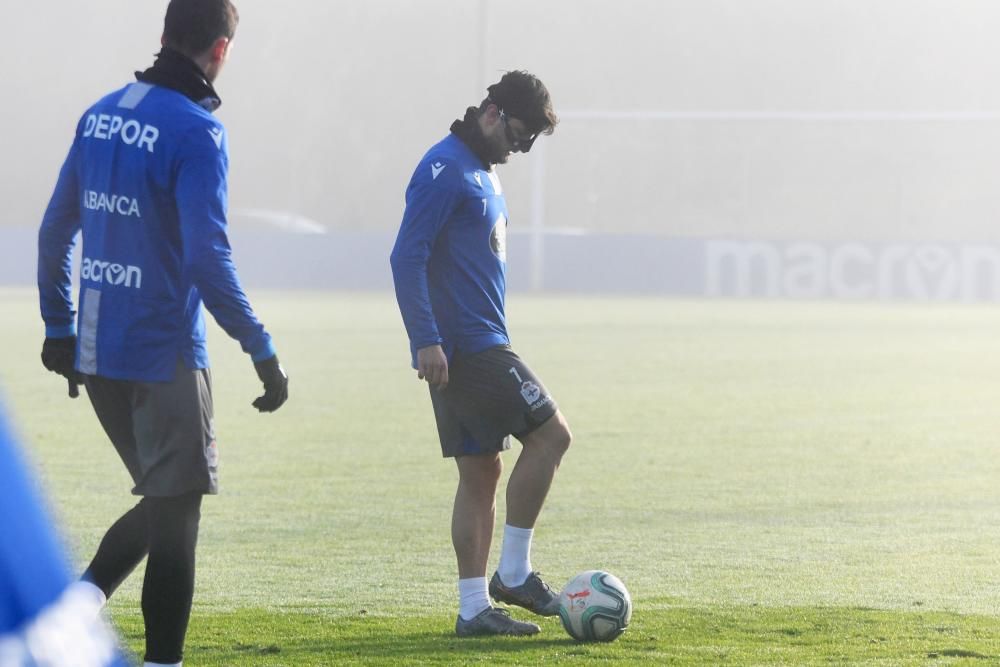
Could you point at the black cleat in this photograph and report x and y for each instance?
(493, 621)
(534, 594)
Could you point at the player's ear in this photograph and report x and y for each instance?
(220, 48)
(492, 114)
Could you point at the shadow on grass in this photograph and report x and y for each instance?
(399, 649)
(306, 639)
(660, 634)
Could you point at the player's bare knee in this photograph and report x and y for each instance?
(561, 440)
(494, 470)
(559, 437)
(480, 471)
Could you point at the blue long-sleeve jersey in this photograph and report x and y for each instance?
(449, 260)
(145, 183)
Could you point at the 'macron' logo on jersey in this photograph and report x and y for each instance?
(216, 134)
(108, 273)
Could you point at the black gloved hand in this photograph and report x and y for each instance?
(59, 356)
(275, 382)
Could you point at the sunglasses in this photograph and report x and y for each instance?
(522, 145)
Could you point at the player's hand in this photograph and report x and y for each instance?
(59, 356)
(275, 381)
(432, 365)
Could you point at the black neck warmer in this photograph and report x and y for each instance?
(176, 71)
(468, 131)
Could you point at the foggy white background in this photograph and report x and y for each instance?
(329, 105)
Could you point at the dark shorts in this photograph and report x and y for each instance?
(163, 431)
(490, 396)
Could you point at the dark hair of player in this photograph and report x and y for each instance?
(521, 95)
(192, 26)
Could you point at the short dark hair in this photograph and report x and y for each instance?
(192, 26)
(523, 96)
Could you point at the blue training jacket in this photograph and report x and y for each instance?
(145, 182)
(449, 260)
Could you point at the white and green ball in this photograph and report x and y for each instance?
(595, 606)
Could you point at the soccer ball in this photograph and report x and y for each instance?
(595, 606)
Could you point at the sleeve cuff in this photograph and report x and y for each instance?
(61, 331)
(265, 352)
(420, 344)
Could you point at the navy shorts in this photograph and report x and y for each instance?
(163, 431)
(490, 395)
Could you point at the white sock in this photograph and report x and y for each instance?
(162, 664)
(472, 597)
(89, 594)
(515, 558)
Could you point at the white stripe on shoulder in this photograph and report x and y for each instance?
(134, 95)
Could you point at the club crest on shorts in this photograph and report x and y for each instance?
(530, 391)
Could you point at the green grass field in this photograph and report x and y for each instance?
(799, 484)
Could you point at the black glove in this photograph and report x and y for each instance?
(275, 382)
(59, 356)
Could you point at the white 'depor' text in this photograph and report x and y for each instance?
(120, 204)
(130, 132)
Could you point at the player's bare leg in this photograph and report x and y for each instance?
(535, 468)
(474, 512)
(472, 534)
(514, 581)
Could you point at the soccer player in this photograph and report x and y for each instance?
(449, 265)
(44, 618)
(145, 184)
